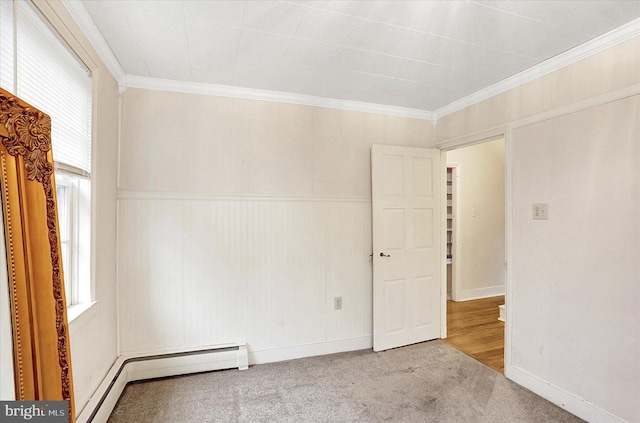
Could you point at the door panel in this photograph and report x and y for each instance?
(406, 245)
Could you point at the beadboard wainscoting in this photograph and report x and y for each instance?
(202, 270)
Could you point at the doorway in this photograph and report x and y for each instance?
(475, 252)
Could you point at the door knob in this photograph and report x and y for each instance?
(384, 255)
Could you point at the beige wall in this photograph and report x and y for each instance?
(573, 291)
(613, 69)
(241, 220)
(189, 144)
(174, 142)
(93, 335)
(480, 251)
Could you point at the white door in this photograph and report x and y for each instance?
(406, 245)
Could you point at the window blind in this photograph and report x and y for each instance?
(6, 46)
(52, 79)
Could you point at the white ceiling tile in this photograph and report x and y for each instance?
(377, 37)
(363, 61)
(224, 73)
(365, 86)
(273, 16)
(416, 54)
(108, 17)
(217, 44)
(245, 76)
(297, 79)
(256, 46)
(437, 95)
(213, 36)
(160, 34)
(585, 17)
(408, 14)
(421, 46)
(304, 52)
(429, 73)
(323, 26)
(344, 7)
(498, 30)
(204, 15)
(458, 55)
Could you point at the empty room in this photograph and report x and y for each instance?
(241, 211)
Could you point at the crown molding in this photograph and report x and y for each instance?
(80, 15)
(134, 81)
(594, 46)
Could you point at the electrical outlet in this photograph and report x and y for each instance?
(337, 303)
(541, 211)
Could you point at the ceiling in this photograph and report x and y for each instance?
(419, 55)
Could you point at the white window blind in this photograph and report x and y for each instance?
(52, 79)
(6, 45)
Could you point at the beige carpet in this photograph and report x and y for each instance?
(428, 382)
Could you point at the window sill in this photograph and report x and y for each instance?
(79, 314)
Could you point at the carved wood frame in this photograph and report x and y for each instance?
(42, 359)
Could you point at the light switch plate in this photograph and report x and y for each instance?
(337, 303)
(541, 211)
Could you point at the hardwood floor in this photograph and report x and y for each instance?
(473, 328)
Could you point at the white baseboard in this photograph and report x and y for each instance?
(148, 366)
(560, 397)
(476, 294)
(139, 367)
(503, 313)
(272, 355)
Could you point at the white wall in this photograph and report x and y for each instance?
(240, 220)
(480, 250)
(93, 335)
(575, 278)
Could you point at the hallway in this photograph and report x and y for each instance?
(473, 328)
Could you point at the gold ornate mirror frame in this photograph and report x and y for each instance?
(42, 359)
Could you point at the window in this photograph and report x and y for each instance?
(40, 68)
(74, 216)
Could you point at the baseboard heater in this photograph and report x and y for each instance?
(140, 367)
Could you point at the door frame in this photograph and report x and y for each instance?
(466, 141)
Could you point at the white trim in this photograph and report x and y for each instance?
(498, 131)
(563, 399)
(579, 106)
(474, 138)
(594, 46)
(508, 214)
(134, 81)
(443, 244)
(79, 314)
(272, 355)
(186, 196)
(80, 15)
(476, 294)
